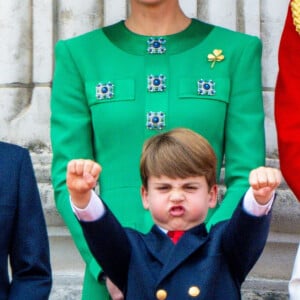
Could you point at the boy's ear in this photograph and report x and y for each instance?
(213, 193)
(144, 194)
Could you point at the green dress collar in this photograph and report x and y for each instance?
(137, 44)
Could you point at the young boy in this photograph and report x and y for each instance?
(178, 171)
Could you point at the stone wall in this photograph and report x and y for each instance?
(29, 30)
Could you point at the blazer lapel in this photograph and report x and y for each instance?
(189, 243)
(170, 255)
(158, 244)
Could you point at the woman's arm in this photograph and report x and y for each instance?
(71, 137)
(244, 132)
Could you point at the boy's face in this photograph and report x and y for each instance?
(178, 204)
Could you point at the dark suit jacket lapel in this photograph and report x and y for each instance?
(159, 244)
(170, 255)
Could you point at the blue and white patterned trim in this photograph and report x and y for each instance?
(206, 87)
(155, 120)
(156, 83)
(104, 90)
(156, 45)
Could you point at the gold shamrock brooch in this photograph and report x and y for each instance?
(215, 56)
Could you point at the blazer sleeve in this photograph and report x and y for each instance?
(244, 132)
(71, 137)
(244, 239)
(287, 104)
(110, 245)
(29, 257)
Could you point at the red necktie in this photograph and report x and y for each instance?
(175, 235)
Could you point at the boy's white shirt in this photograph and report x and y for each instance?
(96, 209)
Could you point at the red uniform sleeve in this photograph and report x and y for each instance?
(287, 104)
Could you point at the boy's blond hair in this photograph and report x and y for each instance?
(179, 153)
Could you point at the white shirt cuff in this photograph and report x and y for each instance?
(93, 211)
(252, 207)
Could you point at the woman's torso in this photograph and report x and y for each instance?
(192, 94)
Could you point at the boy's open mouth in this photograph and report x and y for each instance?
(177, 211)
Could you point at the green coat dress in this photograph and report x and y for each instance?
(112, 89)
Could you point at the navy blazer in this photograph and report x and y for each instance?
(202, 265)
(23, 235)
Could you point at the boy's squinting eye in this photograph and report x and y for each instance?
(163, 188)
(191, 187)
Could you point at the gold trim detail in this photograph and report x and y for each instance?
(295, 7)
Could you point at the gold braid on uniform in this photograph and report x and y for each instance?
(295, 7)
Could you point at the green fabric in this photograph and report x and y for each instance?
(93, 289)
(112, 131)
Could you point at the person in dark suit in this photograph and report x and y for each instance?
(23, 237)
(178, 171)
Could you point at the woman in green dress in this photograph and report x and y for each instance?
(118, 85)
